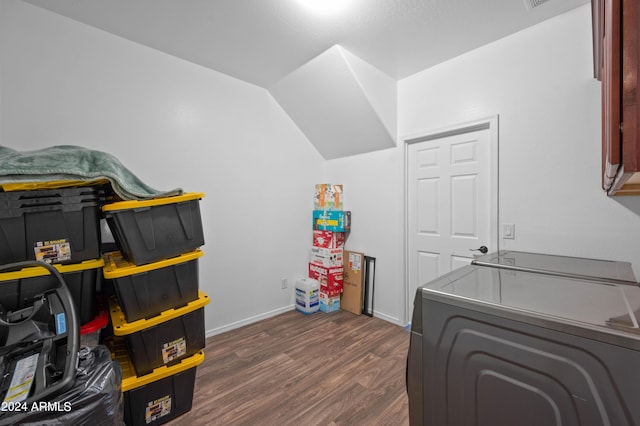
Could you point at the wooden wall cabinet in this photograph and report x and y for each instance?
(616, 48)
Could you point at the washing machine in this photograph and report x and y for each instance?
(526, 339)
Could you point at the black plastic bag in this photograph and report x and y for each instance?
(95, 398)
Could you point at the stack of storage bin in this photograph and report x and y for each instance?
(157, 313)
(58, 226)
(330, 227)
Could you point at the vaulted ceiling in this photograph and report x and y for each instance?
(261, 41)
(333, 69)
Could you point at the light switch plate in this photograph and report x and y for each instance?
(508, 231)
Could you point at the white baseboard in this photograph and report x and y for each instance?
(250, 320)
(386, 317)
(256, 318)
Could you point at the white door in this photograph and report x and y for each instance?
(451, 201)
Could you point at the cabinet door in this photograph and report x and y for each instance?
(630, 169)
(616, 27)
(611, 155)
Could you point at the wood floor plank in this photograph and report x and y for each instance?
(295, 369)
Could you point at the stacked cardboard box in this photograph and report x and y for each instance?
(157, 312)
(331, 225)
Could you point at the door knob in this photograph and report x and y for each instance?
(482, 249)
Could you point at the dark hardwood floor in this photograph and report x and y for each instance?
(295, 369)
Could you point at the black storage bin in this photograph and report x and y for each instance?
(20, 199)
(164, 339)
(53, 233)
(158, 397)
(18, 288)
(145, 291)
(151, 230)
(158, 402)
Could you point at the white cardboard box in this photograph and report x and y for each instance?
(326, 257)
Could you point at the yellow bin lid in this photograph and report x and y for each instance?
(39, 271)
(52, 184)
(131, 381)
(136, 204)
(116, 266)
(123, 328)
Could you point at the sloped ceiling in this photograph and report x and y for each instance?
(344, 105)
(270, 42)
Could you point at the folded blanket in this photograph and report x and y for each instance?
(74, 163)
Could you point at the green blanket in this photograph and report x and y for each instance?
(69, 163)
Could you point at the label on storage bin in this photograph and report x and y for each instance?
(52, 251)
(174, 350)
(157, 408)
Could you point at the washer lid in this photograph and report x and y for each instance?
(578, 267)
(556, 301)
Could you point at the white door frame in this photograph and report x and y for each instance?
(490, 123)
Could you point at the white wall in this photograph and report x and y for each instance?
(174, 124)
(540, 83)
(374, 195)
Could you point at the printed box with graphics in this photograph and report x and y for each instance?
(330, 279)
(329, 303)
(326, 257)
(328, 197)
(330, 291)
(331, 220)
(328, 239)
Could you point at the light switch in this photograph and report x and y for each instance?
(508, 231)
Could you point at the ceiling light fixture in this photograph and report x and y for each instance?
(325, 7)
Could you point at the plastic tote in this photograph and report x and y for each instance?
(53, 233)
(151, 230)
(18, 288)
(21, 199)
(164, 339)
(146, 290)
(162, 395)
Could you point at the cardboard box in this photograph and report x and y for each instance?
(331, 220)
(331, 292)
(328, 197)
(330, 279)
(329, 303)
(326, 257)
(328, 239)
(353, 278)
